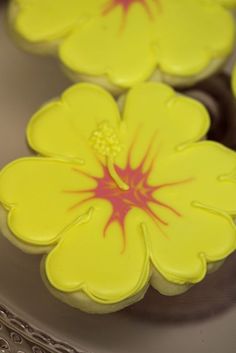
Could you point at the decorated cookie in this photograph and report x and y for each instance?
(119, 43)
(217, 96)
(119, 201)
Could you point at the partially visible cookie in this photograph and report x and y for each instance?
(118, 43)
(216, 94)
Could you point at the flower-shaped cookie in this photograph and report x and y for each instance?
(122, 42)
(119, 199)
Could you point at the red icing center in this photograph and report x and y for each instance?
(139, 195)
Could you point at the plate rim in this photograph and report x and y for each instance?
(16, 333)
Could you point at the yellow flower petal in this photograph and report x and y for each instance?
(43, 198)
(181, 249)
(204, 173)
(64, 128)
(157, 121)
(47, 20)
(114, 52)
(190, 36)
(87, 260)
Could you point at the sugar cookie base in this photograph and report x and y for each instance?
(51, 48)
(80, 299)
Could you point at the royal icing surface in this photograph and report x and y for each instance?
(115, 196)
(127, 40)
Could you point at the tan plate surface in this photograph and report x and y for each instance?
(25, 83)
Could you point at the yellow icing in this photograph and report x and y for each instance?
(176, 214)
(127, 40)
(105, 140)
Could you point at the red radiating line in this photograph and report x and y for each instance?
(78, 191)
(109, 7)
(155, 220)
(162, 186)
(147, 9)
(84, 173)
(149, 148)
(164, 205)
(131, 147)
(121, 223)
(80, 203)
(140, 193)
(126, 4)
(153, 215)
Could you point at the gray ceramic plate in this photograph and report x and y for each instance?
(202, 321)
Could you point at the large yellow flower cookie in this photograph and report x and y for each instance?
(119, 43)
(121, 200)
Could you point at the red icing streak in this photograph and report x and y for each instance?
(139, 195)
(126, 5)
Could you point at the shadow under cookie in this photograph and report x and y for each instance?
(209, 298)
(216, 94)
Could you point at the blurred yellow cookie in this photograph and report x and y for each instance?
(119, 43)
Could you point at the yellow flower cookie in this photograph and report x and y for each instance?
(119, 201)
(119, 43)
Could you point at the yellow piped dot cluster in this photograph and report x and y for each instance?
(105, 140)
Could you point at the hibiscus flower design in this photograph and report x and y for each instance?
(125, 42)
(121, 197)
